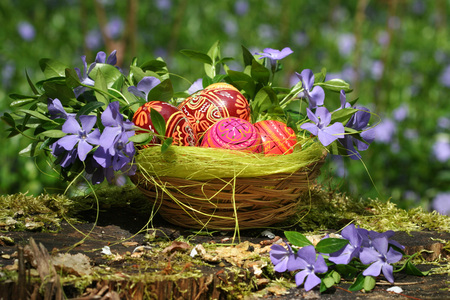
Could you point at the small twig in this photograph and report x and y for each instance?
(400, 283)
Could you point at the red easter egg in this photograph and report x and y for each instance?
(277, 137)
(234, 134)
(177, 125)
(217, 101)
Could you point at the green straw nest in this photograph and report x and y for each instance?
(196, 187)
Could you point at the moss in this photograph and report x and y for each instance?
(323, 210)
(44, 212)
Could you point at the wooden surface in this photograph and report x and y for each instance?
(213, 281)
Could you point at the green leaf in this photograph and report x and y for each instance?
(23, 102)
(52, 68)
(336, 276)
(166, 144)
(110, 74)
(161, 92)
(141, 138)
(8, 119)
(342, 115)
(265, 100)
(411, 269)
(369, 283)
(260, 73)
(214, 51)
(36, 114)
(100, 84)
(31, 84)
(320, 77)
(328, 282)
(242, 81)
(197, 55)
(155, 65)
(72, 79)
(54, 133)
(89, 107)
(30, 150)
(248, 57)
(346, 271)
(158, 122)
(61, 91)
(336, 85)
(330, 245)
(297, 239)
(358, 284)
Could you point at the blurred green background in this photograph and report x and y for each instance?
(394, 53)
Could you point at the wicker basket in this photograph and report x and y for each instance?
(214, 204)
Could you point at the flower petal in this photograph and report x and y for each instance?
(307, 78)
(111, 116)
(368, 255)
(318, 95)
(388, 272)
(300, 277)
(83, 149)
(311, 281)
(374, 269)
(68, 142)
(310, 127)
(308, 254)
(88, 122)
(320, 266)
(71, 126)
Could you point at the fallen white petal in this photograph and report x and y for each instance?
(106, 250)
(395, 289)
(268, 234)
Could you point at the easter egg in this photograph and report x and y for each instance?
(234, 134)
(177, 125)
(277, 137)
(215, 102)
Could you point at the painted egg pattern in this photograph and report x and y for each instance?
(234, 134)
(177, 125)
(277, 137)
(217, 101)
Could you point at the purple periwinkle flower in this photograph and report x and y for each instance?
(84, 76)
(275, 55)
(441, 203)
(114, 28)
(351, 250)
(26, 31)
(115, 126)
(111, 60)
(93, 39)
(384, 131)
(144, 87)
(56, 110)
(381, 256)
(346, 43)
(400, 113)
(309, 265)
(314, 94)
(445, 77)
(115, 149)
(441, 149)
(281, 257)
(319, 126)
(83, 136)
(196, 86)
(241, 7)
(359, 121)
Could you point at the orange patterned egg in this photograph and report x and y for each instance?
(177, 125)
(215, 102)
(233, 134)
(277, 137)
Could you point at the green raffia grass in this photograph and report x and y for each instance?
(197, 163)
